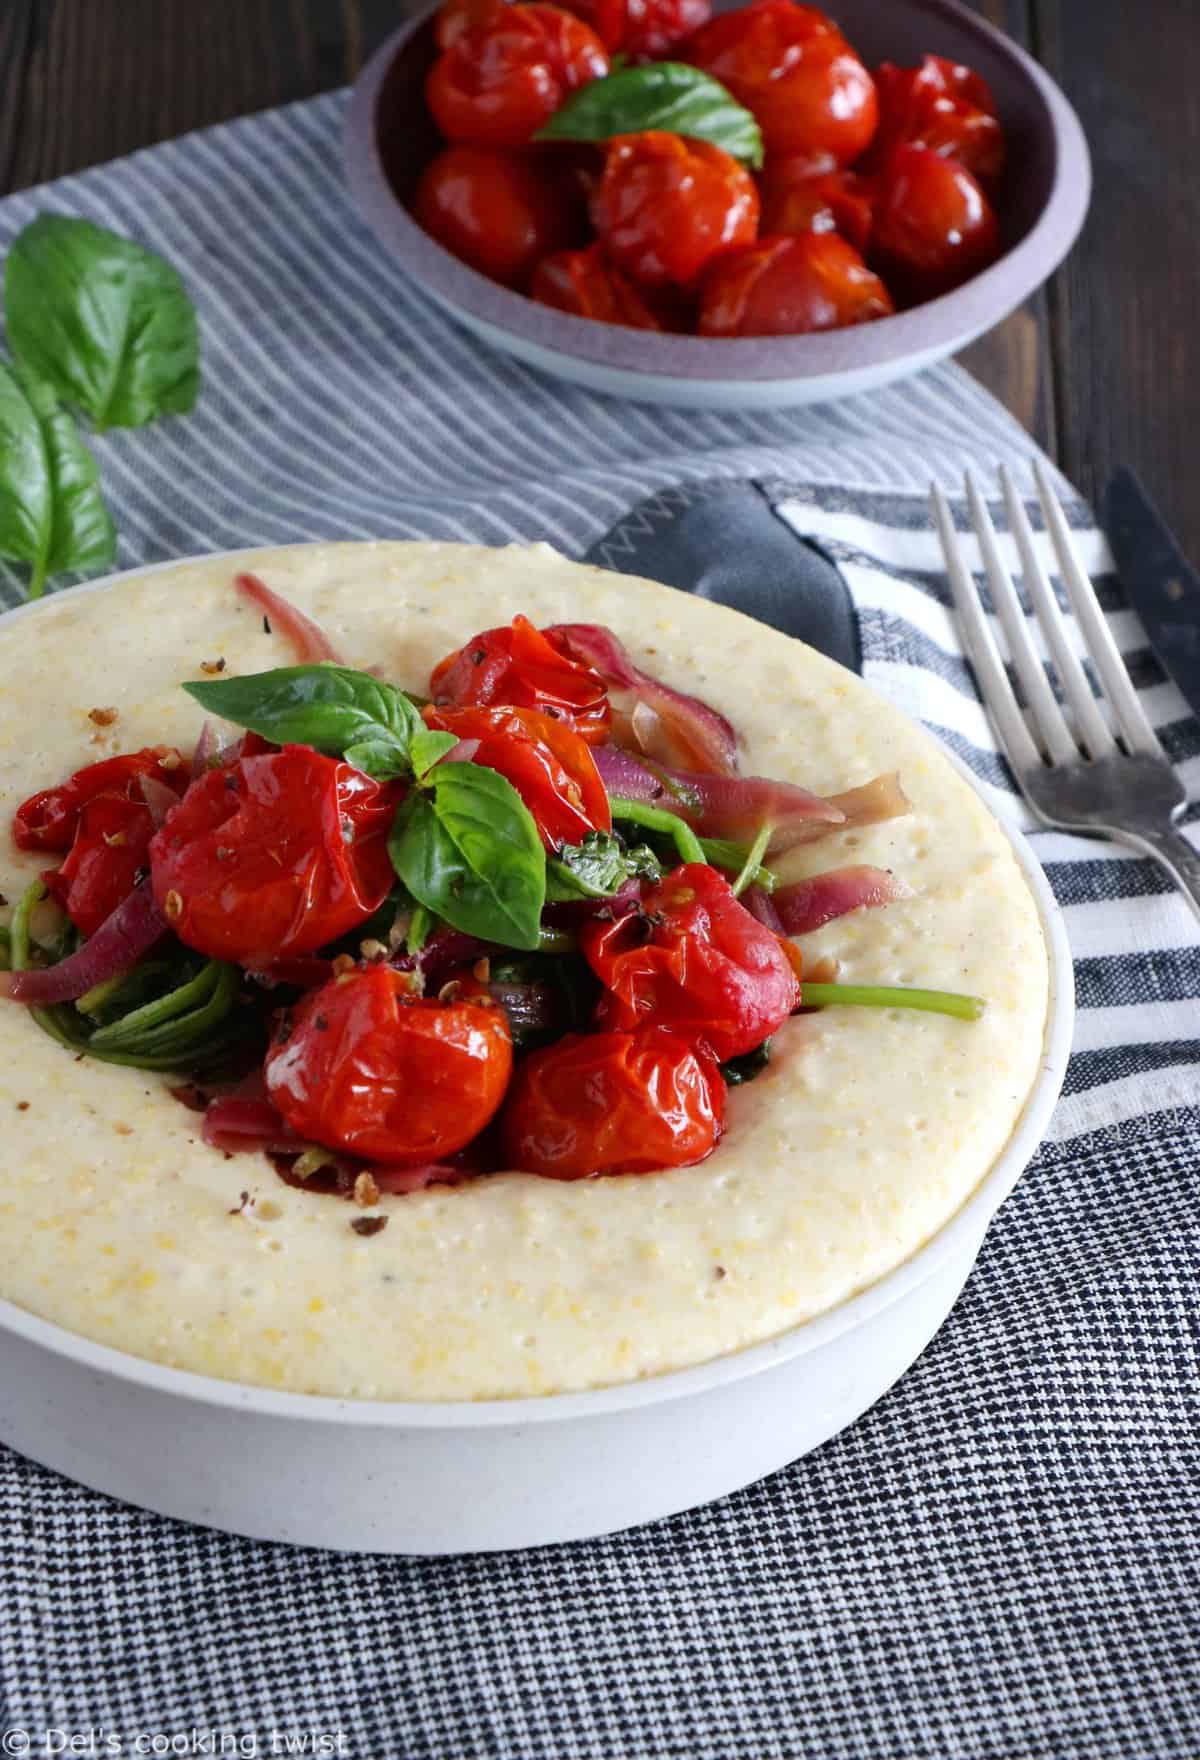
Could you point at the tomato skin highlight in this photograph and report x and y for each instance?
(944, 106)
(598, 1103)
(548, 763)
(693, 960)
(500, 212)
(501, 79)
(934, 226)
(587, 285)
(520, 666)
(50, 818)
(366, 1067)
(790, 287)
(792, 67)
(666, 207)
(275, 854)
(796, 198)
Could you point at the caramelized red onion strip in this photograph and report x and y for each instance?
(693, 732)
(806, 905)
(133, 929)
(308, 639)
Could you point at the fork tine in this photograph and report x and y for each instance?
(1094, 731)
(1098, 639)
(1049, 723)
(989, 669)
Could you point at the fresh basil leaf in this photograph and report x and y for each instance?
(597, 867)
(427, 746)
(108, 324)
(469, 851)
(666, 95)
(339, 711)
(52, 513)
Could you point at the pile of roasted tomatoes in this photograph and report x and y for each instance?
(875, 190)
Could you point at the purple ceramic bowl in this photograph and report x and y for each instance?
(1042, 203)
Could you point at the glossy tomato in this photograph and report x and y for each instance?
(549, 765)
(934, 227)
(500, 80)
(795, 199)
(106, 860)
(50, 819)
(944, 106)
(695, 960)
(521, 666)
(667, 206)
(365, 1066)
(793, 68)
(276, 854)
(652, 27)
(613, 1103)
(457, 16)
(501, 212)
(587, 285)
(788, 286)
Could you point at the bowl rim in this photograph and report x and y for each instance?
(960, 1233)
(943, 323)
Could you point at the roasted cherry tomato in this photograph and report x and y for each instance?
(549, 765)
(106, 860)
(667, 206)
(587, 285)
(695, 960)
(522, 667)
(501, 212)
(793, 68)
(944, 106)
(638, 27)
(934, 227)
(787, 286)
(613, 1103)
(276, 854)
(49, 820)
(795, 199)
(652, 27)
(500, 80)
(365, 1066)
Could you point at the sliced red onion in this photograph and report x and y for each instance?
(881, 798)
(626, 777)
(120, 941)
(396, 1180)
(689, 732)
(158, 797)
(308, 639)
(807, 904)
(444, 952)
(208, 746)
(242, 1125)
(759, 904)
(462, 753)
(722, 806)
(567, 912)
(303, 970)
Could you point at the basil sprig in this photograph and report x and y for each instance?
(341, 712)
(597, 867)
(664, 95)
(52, 513)
(469, 851)
(107, 323)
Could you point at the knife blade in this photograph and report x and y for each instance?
(1159, 582)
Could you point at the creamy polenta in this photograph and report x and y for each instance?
(863, 1136)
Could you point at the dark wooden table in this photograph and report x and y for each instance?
(1103, 367)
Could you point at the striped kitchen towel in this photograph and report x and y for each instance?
(1001, 1560)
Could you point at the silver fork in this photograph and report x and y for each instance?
(1077, 770)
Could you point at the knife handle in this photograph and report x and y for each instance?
(1178, 856)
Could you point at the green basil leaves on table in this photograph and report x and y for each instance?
(343, 713)
(469, 851)
(664, 95)
(597, 867)
(52, 512)
(107, 323)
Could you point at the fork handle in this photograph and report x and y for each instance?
(1177, 855)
